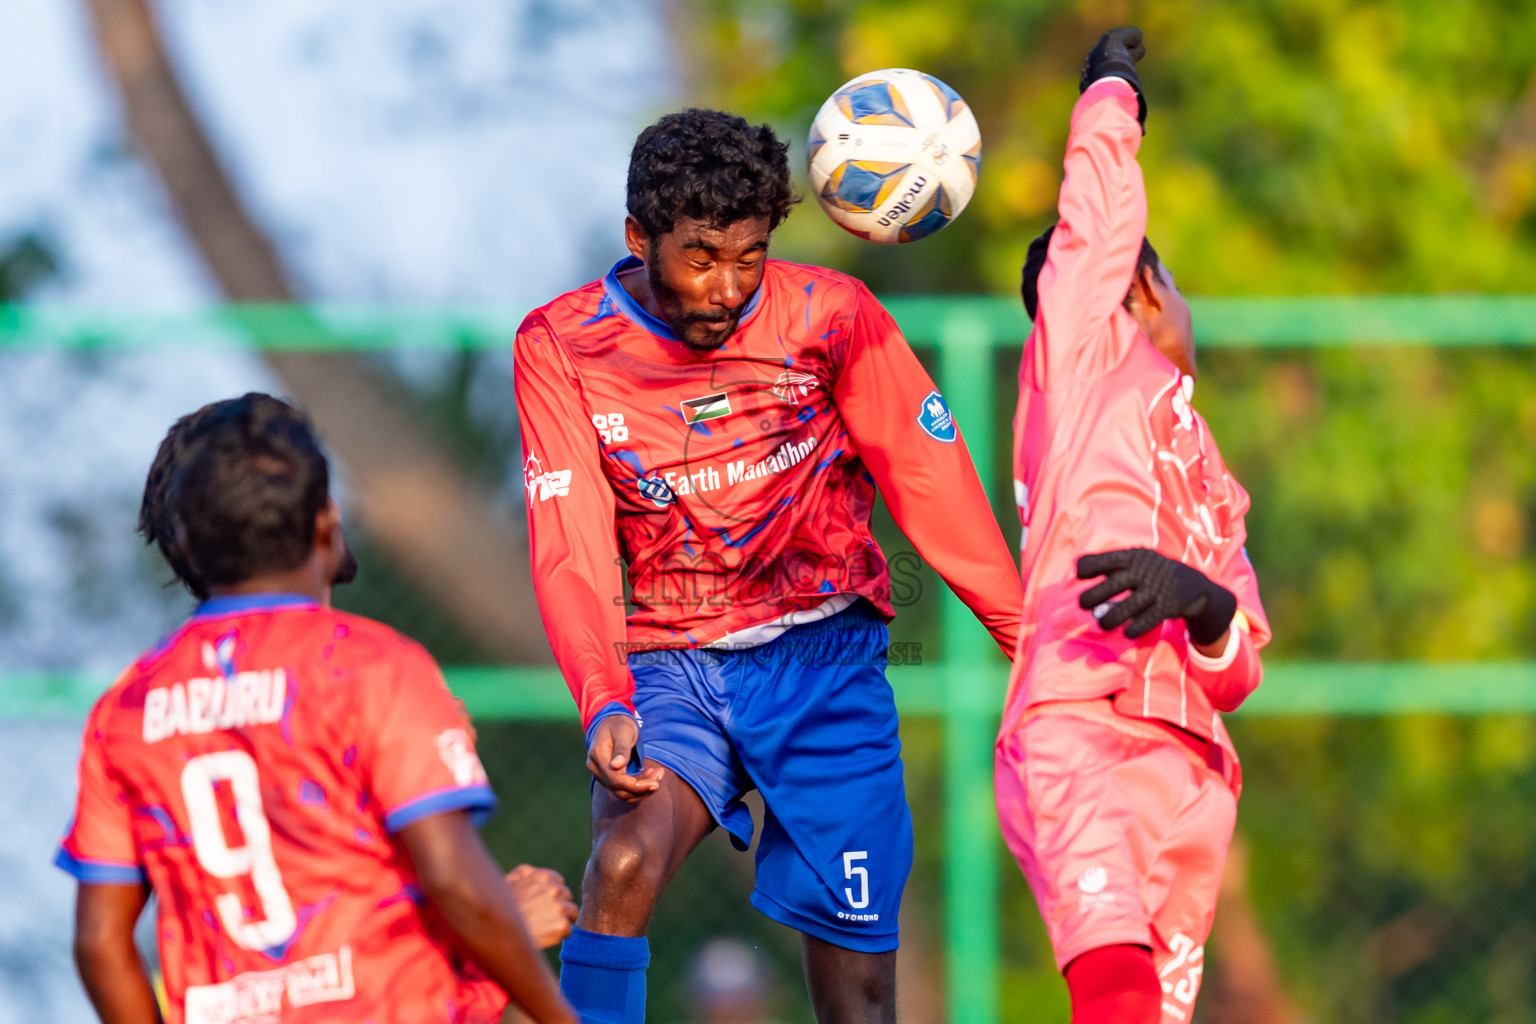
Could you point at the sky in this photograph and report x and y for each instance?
(398, 151)
(403, 151)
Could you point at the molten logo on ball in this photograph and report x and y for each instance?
(916, 125)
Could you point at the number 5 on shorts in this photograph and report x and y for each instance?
(849, 872)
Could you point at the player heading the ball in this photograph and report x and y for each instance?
(718, 422)
(1117, 783)
(296, 785)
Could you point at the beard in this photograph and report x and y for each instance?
(346, 571)
(698, 330)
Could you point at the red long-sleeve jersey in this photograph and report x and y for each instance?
(735, 486)
(1109, 453)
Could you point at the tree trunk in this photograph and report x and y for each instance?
(1246, 988)
(438, 525)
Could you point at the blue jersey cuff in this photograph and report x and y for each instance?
(480, 801)
(613, 707)
(636, 756)
(98, 872)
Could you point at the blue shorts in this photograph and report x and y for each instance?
(807, 719)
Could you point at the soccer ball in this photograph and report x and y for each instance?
(894, 155)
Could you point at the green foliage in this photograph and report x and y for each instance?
(1392, 863)
(1301, 147)
(1392, 508)
(1392, 497)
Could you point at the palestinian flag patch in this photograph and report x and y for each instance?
(710, 407)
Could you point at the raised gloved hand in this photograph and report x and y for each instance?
(1159, 588)
(1117, 52)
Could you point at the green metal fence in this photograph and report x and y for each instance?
(965, 690)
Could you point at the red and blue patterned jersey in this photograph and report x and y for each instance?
(735, 486)
(252, 769)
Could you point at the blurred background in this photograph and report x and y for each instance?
(422, 172)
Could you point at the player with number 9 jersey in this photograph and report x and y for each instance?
(283, 776)
(251, 769)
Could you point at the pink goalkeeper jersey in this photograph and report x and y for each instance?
(1109, 453)
(735, 486)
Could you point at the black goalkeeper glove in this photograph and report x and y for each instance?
(1117, 53)
(1160, 588)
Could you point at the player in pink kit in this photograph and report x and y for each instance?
(294, 784)
(1116, 781)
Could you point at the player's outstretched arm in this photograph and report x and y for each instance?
(106, 957)
(1102, 210)
(459, 877)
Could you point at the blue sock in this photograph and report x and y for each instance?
(603, 976)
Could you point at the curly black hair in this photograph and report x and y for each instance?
(157, 515)
(1035, 260)
(234, 491)
(711, 166)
